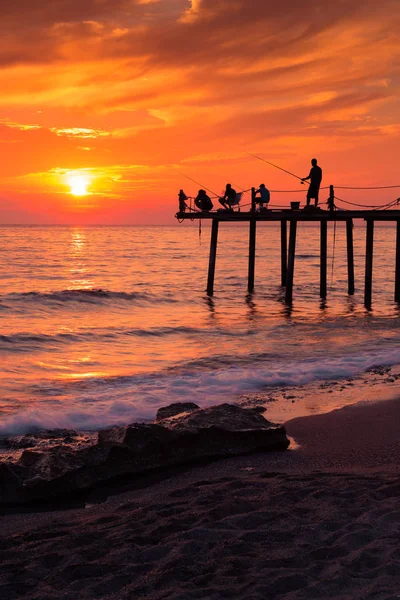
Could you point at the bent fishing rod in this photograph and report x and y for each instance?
(276, 166)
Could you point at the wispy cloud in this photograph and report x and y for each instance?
(80, 132)
(20, 126)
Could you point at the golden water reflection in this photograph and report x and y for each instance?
(79, 256)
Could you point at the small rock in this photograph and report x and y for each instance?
(175, 409)
(29, 458)
(258, 409)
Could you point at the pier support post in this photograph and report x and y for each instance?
(397, 281)
(252, 255)
(213, 257)
(253, 199)
(350, 256)
(323, 259)
(331, 199)
(291, 257)
(283, 252)
(369, 251)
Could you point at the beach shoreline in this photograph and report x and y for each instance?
(318, 521)
(282, 404)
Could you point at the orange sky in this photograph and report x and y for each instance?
(127, 93)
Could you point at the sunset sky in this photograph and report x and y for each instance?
(114, 99)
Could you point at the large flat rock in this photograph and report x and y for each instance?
(182, 434)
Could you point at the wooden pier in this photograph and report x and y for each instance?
(288, 253)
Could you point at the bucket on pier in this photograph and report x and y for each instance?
(295, 205)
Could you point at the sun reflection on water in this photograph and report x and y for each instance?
(79, 256)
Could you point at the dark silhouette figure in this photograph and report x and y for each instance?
(331, 203)
(229, 197)
(263, 197)
(203, 202)
(315, 178)
(182, 201)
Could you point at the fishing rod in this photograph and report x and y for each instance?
(240, 188)
(276, 166)
(197, 183)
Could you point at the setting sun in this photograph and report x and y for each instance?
(78, 184)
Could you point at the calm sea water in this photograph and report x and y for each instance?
(103, 325)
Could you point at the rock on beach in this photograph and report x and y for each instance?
(181, 434)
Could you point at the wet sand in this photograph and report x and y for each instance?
(319, 521)
(284, 403)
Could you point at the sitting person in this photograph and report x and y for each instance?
(182, 201)
(263, 198)
(203, 202)
(229, 197)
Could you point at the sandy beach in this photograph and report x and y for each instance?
(319, 521)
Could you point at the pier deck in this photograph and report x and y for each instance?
(294, 215)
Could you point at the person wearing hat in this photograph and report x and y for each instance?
(263, 197)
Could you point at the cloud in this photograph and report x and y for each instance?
(80, 132)
(93, 83)
(20, 126)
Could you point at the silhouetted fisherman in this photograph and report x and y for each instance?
(315, 178)
(229, 197)
(203, 201)
(264, 197)
(182, 201)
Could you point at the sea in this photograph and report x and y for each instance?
(101, 326)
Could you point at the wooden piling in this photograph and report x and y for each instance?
(331, 199)
(252, 256)
(253, 199)
(369, 251)
(350, 257)
(213, 257)
(291, 257)
(288, 247)
(323, 259)
(283, 252)
(397, 279)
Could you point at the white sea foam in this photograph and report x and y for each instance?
(139, 398)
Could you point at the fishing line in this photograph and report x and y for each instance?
(198, 183)
(276, 166)
(240, 188)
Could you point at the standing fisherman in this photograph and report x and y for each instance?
(315, 178)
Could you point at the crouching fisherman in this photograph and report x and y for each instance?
(229, 198)
(262, 197)
(203, 201)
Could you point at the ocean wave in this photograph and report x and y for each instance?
(88, 296)
(107, 401)
(29, 342)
